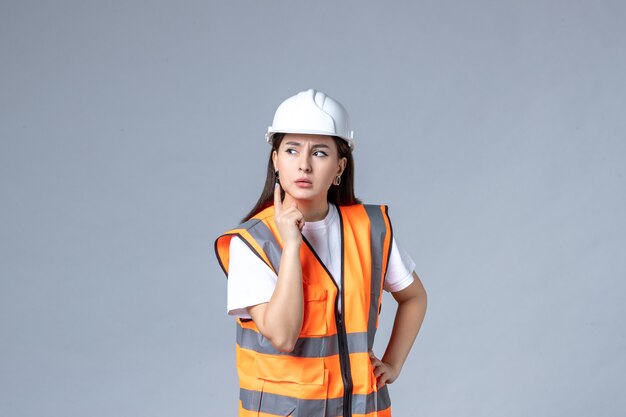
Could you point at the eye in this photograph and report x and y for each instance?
(290, 151)
(320, 153)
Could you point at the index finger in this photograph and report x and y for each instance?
(278, 204)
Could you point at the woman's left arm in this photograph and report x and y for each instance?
(412, 303)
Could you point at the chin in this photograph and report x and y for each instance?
(304, 195)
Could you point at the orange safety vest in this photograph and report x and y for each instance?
(328, 373)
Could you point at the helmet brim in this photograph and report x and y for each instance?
(270, 134)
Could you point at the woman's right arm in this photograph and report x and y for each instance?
(280, 319)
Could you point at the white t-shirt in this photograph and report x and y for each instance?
(252, 282)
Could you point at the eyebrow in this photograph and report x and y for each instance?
(317, 145)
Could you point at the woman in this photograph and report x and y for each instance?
(306, 270)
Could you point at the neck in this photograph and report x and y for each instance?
(312, 210)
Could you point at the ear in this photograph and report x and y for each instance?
(274, 156)
(342, 165)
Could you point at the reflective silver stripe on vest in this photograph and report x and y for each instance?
(249, 223)
(306, 347)
(283, 405)
(378, 231)
(266, 239)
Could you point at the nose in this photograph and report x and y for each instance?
(305, 162)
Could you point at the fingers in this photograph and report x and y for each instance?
(288, 219)
(300, 217)
(376, 364)
(380, 370)
(278, 205)
(374, 360)
(289, 212)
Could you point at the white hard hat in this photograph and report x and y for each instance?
(312, 112)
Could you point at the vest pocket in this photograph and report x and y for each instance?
(289, 391)
(303, 371)
(315, 307)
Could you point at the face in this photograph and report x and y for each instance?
(307, 165)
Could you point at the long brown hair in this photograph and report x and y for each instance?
(341, 195)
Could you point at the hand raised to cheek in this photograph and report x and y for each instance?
(289, 220)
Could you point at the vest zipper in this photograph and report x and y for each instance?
(344, 362)
(344, 354)
(342, 337)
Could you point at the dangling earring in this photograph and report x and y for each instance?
(337, 180)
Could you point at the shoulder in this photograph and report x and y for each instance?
(362, 206)
(370, 210)
(263, 217)
(374, 217)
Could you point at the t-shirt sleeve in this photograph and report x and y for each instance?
(250, 280)
(400, 269)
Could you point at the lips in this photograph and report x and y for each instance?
(303, 183)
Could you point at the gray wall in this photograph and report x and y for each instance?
(132, 135)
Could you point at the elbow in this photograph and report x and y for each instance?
(285, 345)
(284, 336)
